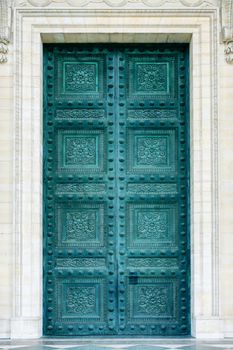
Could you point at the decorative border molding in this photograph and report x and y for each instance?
(119, 3)
(30, 25)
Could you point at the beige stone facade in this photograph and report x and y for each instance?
(206, 25)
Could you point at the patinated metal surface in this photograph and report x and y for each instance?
(116, 174)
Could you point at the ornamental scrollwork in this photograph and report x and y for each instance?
(81, 300)
(229, 52)
(151, 113)
(80, 150)
(3, 50)
(152, 225)
(81, 226)
(5, 7)
(151, 151)
(227, 28)
(80, 77)
(152, 300)
(151, 77)
(80, 113)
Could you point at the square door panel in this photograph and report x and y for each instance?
(80, 225)
(81, 151)
(151, 151)
(150, 226)
(151, 76)
(82, 299)
(81, 77)
(152, 299)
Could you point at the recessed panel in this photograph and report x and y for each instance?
(153, 151)
(81, 150)
(82, 263)
(152, 76)
(153, 263)
(80, 76)
(151, 225)
(152, 299)
(152, 114)
(82, 299)
(82, 189)
(81, 225)
(152, 188)
(80, 114)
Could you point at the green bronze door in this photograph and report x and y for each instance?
(116, 190)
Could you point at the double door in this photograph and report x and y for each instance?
(116, 195)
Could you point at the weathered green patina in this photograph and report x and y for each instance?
(116, 190)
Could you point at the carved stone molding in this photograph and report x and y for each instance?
(4, 29)
(229, 52)
(3, 50)
(227, 28)
(119, 3)
(227, 20)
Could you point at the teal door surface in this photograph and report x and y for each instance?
(116, 190)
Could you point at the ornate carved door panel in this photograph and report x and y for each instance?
(116, 243)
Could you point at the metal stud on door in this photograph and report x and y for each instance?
(116, 239)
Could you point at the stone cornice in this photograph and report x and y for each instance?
(119, 3)
(226, 10)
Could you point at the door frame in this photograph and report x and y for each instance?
(33, 26)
